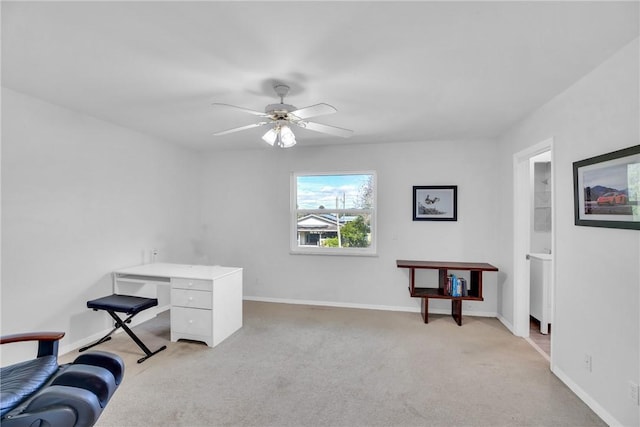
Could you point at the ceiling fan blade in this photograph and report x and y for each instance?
(254, 125)
(313, 110)
(246, 110)
(331, 130)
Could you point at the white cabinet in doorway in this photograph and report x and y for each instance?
(541, 296)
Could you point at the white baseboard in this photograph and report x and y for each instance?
(333, 304)
(538, 349)
(578, 391)
(364, 306)
(586, 398)
(68, 348)
(140, 318)
(506, 323)
(464, 313)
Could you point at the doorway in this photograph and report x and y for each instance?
(533, 236)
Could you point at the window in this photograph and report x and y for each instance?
(333, 213)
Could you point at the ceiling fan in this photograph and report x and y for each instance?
(281, 116)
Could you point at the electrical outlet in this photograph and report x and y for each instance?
(587, 362)
(634, 393)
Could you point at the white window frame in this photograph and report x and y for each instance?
(295, 249)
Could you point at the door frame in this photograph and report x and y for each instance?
(522, 233)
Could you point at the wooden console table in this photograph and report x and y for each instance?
(475, 284)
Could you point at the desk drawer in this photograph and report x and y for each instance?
(201, 285)
(191, 298)
(192, 321)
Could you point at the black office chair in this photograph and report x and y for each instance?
(130, 305)
(39, 392)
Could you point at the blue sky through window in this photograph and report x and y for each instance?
(314, 191)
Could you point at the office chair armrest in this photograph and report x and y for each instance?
(32, 336)
(47, 341)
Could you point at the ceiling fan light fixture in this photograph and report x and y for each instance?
(271, 136)
(287, 138)
(280, 117)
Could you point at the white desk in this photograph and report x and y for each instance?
(205, 301)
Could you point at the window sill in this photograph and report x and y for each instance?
(333, 253)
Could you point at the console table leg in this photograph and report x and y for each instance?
(456, 311)
(425, 309)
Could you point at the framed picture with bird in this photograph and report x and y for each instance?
(435, 203)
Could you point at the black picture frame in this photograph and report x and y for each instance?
(607, 190)
(435, 203)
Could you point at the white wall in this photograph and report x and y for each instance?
(81, 197)
(597, 269)
(246, 215)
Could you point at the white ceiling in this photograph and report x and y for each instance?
(396, 71)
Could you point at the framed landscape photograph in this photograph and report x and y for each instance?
(607, 190)
(435, 203)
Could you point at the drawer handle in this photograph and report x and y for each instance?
(190, 284)
(190, 298)
(190, 322)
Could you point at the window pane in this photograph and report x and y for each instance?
(326, 230)
(334, 191)
(333, 214)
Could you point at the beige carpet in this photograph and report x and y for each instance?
(296, 365)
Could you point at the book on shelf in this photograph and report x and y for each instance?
(456, 286)
(464, 289)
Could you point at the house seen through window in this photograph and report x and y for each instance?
(333, 213)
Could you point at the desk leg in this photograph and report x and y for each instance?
(425, 309)
(456, 310)
(412, 280)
